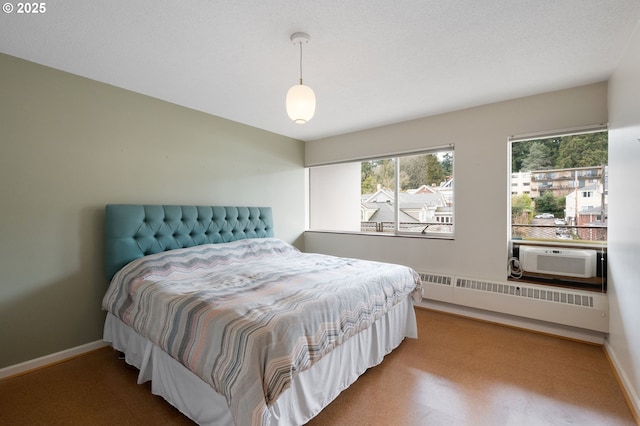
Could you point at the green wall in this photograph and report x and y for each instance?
(70, 145)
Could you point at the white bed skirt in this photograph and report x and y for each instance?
(310, 391)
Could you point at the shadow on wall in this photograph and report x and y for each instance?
(63, 313)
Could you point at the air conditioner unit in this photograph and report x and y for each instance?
(559, 261)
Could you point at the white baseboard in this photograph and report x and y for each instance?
(47, 360)
(631, 393)
(568, 332)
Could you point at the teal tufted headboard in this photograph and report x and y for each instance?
(136, 230)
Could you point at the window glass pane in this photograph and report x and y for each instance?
(426, 193)
(378, 195)
(361, 196)
(566, 188)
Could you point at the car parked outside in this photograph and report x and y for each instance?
(544, 216)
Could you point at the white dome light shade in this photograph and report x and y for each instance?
(301, 103)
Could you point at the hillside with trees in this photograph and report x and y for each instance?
(584, 150)
(415, 171)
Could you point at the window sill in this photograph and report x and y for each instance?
(594, 284)
(576, 244)
(383, 234)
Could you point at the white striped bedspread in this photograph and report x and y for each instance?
(247, 316)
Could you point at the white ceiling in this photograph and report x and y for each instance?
(370, 62)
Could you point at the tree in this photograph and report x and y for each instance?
(521, 205)
(368, 186)
(435, 174)
(585, 150)
(413, 171)
(367, 179)
(582, 150)
(538, 157)
(447, 165)
(385, 173)
(374, 173)
(519, 151)
(366, 170)
(547, 202)
(521, 212)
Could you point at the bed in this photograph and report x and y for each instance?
(234, 326)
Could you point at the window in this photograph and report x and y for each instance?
(567, 197)
(402, 195)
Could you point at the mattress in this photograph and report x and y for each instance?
(310, 391)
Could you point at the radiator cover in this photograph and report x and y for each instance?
(575, 308)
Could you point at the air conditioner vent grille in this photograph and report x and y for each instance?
(529, 292)
(435, 279)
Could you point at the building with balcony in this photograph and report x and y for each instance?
(561, 182)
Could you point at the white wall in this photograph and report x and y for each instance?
(482, 187)
(68, 146)
(624, 219)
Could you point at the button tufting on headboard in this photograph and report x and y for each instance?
(136, 230)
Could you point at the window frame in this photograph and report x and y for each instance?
(596, 128)
(397, 232)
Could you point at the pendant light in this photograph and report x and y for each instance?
(301, 101)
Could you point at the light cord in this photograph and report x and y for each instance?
(300, 62)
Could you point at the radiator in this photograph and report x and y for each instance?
(575, 308)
